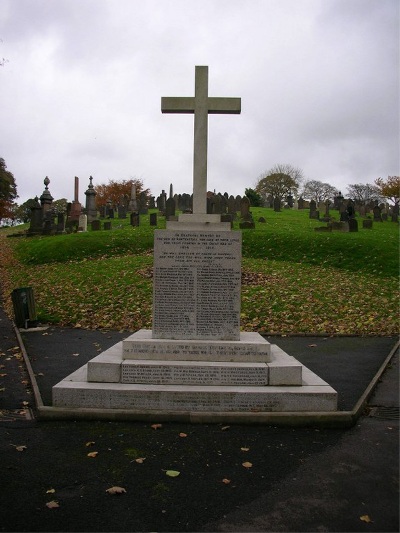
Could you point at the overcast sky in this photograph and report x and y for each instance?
(82, 82)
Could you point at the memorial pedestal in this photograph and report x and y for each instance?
(195, 359)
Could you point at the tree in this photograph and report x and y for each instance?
(363, 193)
(276, 185)
(255, 199)
(8, 191)
(389, 188)
(115, 190)
(318, 191)
(284, 168)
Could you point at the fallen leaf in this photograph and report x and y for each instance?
(182, 435)
(365, 518)
(25, 403)
(140, 460)
(75, 354)
(224, 428)
(52, 505)
(156, 426)
(93, 454)
(172, 473)
(90, 443)
(2, 375)
(20, 448)
(245, 449)
(247, 464)
(50, 491)
(116, 490)
(312, 345)
(226, 481)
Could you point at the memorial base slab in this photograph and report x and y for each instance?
(251, 375)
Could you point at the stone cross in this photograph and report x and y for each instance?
(201, 105)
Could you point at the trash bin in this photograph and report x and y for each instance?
(24, 307)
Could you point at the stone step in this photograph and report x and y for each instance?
(251, 347)
(194, 373)
(313, 395)
(111, 367)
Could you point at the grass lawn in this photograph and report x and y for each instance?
(294, 280)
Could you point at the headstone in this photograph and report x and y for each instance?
(395, 212)
(107, 225)
(313, 209)
(353, 225)
(132, 206)
(96, 225)
(82, 225)
(351, 209)
(170, 208)
(301, 203)
(121, 211)
(135, 219)
(377, 213)
(262, 220)
(36, 223)
(367, 223)
(143, 204)
(277, 204)
(90, 194)
(245, 208)
(60, 229)
(153, 219)
(339, 226)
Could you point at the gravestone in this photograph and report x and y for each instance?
(90, 194)
(377, 213)
(277, 204)
(395, 212)
(107, 225)
(367, 223)
(135, 219)
(82, 224)
(170, 208)
(353, 225)
(313, 210)
(195, 346)
(153, 219)
(301, 203)
(76, 207)
(132, 206)
(60, 229)
(96, 225)
(36, 222)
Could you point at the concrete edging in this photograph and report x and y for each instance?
(336, 419)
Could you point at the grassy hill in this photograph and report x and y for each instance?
(294, 280)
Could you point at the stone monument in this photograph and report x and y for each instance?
(76, 207)
(195, 363)
(91, 210)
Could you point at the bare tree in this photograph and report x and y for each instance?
(318, 191)
(364, 193)
(284, 168)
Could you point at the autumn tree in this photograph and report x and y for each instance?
(115, 190)
(8, 191)
(389, 188)
(363, 193)
(318, 191)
